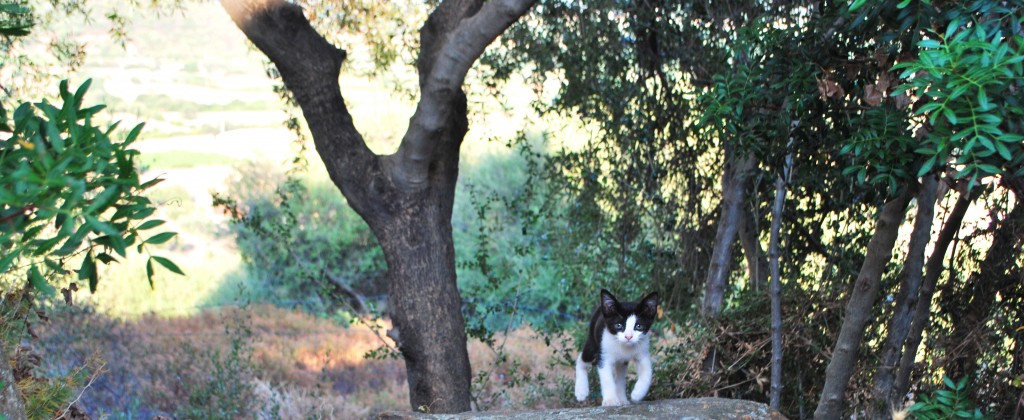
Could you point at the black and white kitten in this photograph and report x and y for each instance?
(619, 332)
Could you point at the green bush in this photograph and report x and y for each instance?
(952, 402)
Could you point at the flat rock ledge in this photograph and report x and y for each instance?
(691, 408)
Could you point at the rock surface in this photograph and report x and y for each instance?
(692, 408)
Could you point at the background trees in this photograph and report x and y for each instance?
(875, 105)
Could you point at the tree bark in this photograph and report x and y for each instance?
(11, 404)
(922, 311)
(733, 194)
(406, 198)
(757, 262)
(858, 308)
(906, 300)
(775, 291)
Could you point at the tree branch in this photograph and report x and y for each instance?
(464, 44)
(309, 67)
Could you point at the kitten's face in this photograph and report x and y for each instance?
(629, 322)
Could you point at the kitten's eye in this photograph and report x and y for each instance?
(639, 328)
(618, 326)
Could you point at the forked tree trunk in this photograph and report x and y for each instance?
(406, 197)
(906, 300)
(933, 270)
(859, 308)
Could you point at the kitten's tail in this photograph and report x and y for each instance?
(582, 386)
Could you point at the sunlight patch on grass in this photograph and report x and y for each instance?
(211, 279)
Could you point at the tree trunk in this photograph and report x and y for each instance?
(775, 292)
(757, 263)
(424, 304)
(922, 312)
(733, 194)
(406, 197)
(858, 309)
(11, 404)
(906, 300)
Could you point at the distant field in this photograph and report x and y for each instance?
(184, 159)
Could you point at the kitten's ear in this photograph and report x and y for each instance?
(608, 302)
(649, 305)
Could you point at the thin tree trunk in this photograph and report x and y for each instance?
(757, 262)
(933, 270)
(906, 300)
(11, 404)
(858, 308)
(775, 292)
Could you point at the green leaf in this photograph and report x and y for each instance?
(989, 168)
(149, 224)
(160, 238)
(1011, 137)
(132, 135)
(88, 271)
(983, 99)
(927, 166)
(105, 258)
(856, 4)
(950, 116)
(7, 260)
(168, 264)
(149, 272)
(87, 268)
(80, 93)
(142, 214)
(103, 199)
(949, 384)
(99, 226)
(35, 278)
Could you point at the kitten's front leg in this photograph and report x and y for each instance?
(582, 383)
(609, 394)
(620, 382)
(644, 375)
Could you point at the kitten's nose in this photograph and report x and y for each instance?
(629, 337)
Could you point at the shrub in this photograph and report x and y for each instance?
(299, 238)
(952, 402)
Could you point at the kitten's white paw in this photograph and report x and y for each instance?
(581, 392)
(636, 399)
(612, 402)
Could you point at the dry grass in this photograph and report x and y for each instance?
(272, 361)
